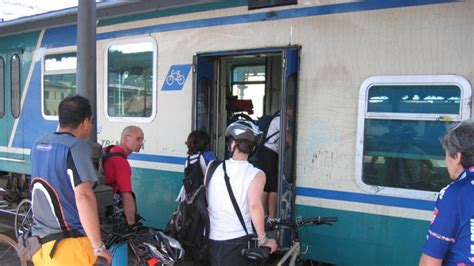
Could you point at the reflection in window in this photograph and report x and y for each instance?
(59, 80)
(248, 90)
(2, 87)
(15, 85)
(130, 80)
(290, 128)
(203, 118)
(269, 3)
(403, 152)
(443, 99)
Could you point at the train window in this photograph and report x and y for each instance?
(2, 87)
(59, 80)
(269, 3)
(130, 80)
(15, 85)
(248, 89)
(400, 124)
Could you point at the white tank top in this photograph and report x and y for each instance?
(224, 221)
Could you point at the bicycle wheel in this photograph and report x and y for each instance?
(134, 255)
(23, 217)
(8, 255)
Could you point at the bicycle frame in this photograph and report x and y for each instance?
(292, 253)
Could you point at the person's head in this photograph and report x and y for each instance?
(132, 139)
(198, 141)
(75, 114)
(458, 144)
(243, 136)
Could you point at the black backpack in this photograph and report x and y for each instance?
(189, 223)
(193, 177)
(107, 153)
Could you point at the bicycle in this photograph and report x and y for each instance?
(261, 254)
(148, 246)
(175, 75)
(8, 254)
(23, 217)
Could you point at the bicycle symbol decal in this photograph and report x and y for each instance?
(176, 77)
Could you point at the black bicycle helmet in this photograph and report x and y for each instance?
(244, 130)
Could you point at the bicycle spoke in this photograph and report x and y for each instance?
(8, 255)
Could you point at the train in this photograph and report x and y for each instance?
(365, 90)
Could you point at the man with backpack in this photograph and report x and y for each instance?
(117, 170)
(234, 193)
(65, 216)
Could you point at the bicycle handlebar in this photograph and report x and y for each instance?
(315, 220)
(300, 221)
(261, 253)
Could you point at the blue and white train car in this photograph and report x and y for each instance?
(365, 89)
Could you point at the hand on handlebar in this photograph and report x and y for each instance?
(271, 244)
(104, 255)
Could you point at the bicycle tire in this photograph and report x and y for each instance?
(133, 257)
(23, 217)
(170, 80)
(8, 255)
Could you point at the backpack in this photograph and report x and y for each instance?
(107, 153)
(189, 223)
(263, 124)
(114, 214)
(193, 177)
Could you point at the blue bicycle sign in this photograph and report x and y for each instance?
(176, 77)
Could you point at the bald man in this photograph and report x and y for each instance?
(117, 170)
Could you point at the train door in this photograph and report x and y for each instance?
(250, 85)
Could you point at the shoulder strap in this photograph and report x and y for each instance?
(232, 198)
(108, 154)
(210, 170)
(271, 136)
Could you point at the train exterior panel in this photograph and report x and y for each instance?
(349, 53)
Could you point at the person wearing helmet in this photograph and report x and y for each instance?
(227, 235)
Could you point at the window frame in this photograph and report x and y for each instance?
(154, 80)
(405, 80)
(54, 51)
(19, 86)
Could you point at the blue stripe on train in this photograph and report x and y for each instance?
(274, 15)
(157, 158)
(425, 205)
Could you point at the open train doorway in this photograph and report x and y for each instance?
(251, 85)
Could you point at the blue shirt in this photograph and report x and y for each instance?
(451, 234)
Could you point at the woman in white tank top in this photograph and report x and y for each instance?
(227, 235)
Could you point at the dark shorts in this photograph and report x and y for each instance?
(227, 252)
(268, 162)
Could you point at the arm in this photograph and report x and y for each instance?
(88, 214)
(255, 195)
(426, 260)
(129, 207)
